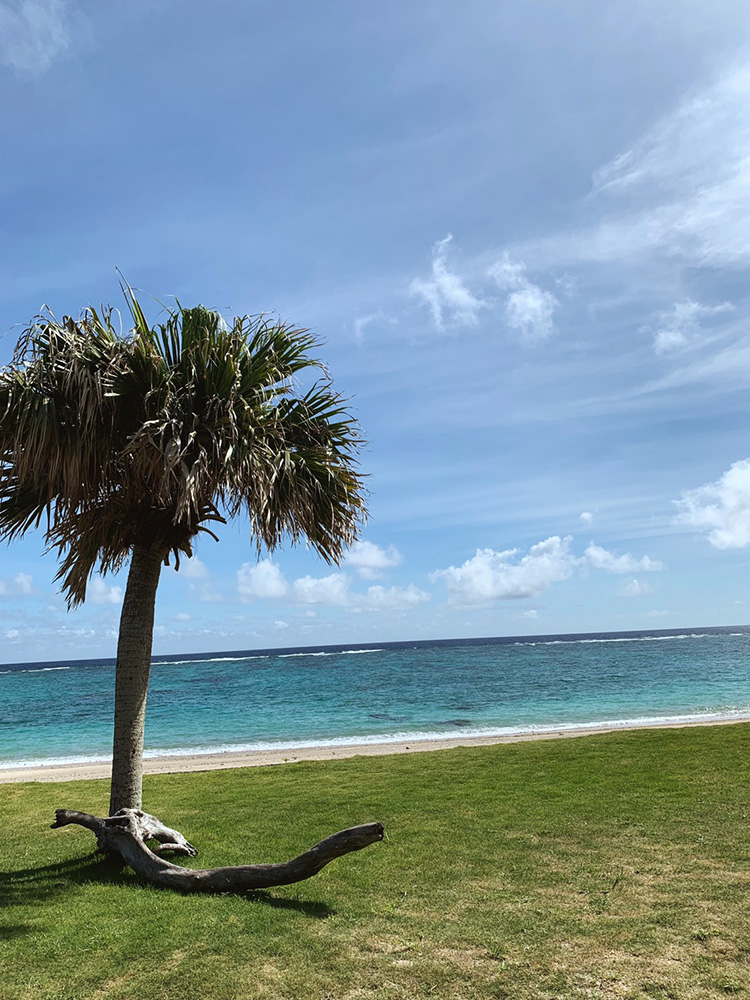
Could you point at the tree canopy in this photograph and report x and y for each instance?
(113, 440)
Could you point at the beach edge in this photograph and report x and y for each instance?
(227, 760)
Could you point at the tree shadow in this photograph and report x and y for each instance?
(42, 883)
(309, 907)
(8, 931)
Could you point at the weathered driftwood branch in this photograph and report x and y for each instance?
(125, 833)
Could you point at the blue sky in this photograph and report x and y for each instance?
(520, 229)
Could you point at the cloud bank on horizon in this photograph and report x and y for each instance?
(530, 274)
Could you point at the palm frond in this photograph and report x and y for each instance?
(142, 439)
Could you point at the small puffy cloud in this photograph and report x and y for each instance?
(635, 588)
(600, 558)
(370, 561)
(678, 326)
(193, 569)
(531, 614)
(444, 293)
(183, 616)
(379, 598)
(13, 634)
(587, 516)
(721, 509)
(528, 307)
(279, 624)
(100, 593)
(333, 589)
(21, 585)
(490, 575)
(33, 33)
(259, 580)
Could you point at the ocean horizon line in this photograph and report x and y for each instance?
(623, 635)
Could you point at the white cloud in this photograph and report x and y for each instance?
(722, 509)
(491, 575)
(587, 516)
(193, 569)
(262, 579)
(379, 598)
(600, 558)
(13, 634)
(531, 613)
(680, 325)
(21, 585)
(183, 616)
(279, 624)
(528, 308)
(333, 589)
(100, 593)
(635, 588)
(265, 580)
(682, 190)
(33, 33)
(363, 322)
(370, 561)
(444, 292)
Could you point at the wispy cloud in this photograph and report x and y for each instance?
(681, 325)
(682, 190)
(33, 33)
(528, 307)
(444, 292)
(363, 323)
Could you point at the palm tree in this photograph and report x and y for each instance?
(128, 446)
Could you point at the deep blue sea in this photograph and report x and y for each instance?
(60, 712)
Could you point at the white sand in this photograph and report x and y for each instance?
(222, 761)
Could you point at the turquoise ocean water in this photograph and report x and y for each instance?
(62, 711)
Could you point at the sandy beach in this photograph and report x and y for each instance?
(223, 761)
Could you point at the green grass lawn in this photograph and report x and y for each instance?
(605, 866)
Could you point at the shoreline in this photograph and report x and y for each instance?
(226, 760)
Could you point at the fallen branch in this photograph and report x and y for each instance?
(125, 833)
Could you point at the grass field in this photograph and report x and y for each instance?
(605, 866)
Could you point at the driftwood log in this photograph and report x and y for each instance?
(125, 833)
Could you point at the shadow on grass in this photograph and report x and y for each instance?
(9, 931)
(27, 885)
(309, 907)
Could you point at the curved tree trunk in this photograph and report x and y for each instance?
(131, 681)
(126, 833)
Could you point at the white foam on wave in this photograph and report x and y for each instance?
(635, 638)
(212, 659)
(407, 736)
(33, 670)
(339, 652)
